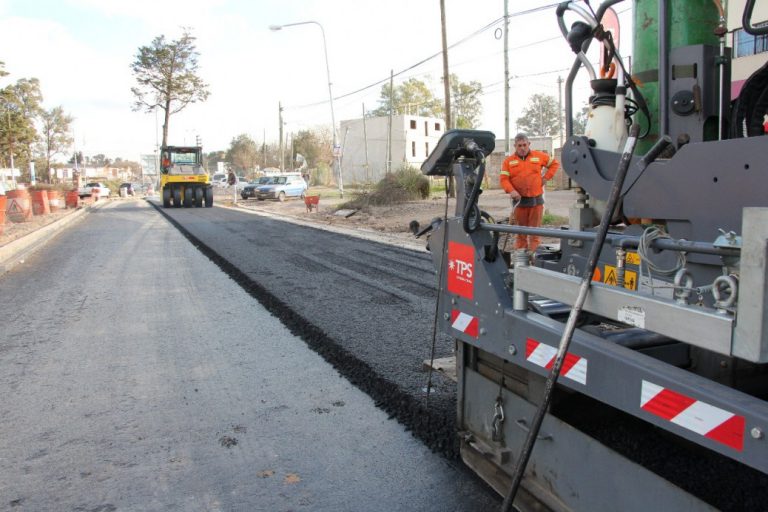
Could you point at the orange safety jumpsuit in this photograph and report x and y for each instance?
(524, 175)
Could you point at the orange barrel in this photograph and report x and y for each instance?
(54, 200)
(19, 206)
(3, 201)
(95, 191)
(72, 198)
(40, 204)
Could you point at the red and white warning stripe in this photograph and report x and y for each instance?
(462, 322)
(704, 419)
(540, 354)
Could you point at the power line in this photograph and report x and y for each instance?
(427, 59)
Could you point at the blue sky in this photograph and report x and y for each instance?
(81, 51)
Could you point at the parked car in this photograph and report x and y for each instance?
(222, 181)
(250, 189)
(219, 180)
(86, 190)
(282, 187)
(129, 189)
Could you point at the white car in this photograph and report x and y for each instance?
(86, 190)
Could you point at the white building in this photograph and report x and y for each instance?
(413, 138)
(92, 173)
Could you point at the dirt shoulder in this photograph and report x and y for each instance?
(395, 220)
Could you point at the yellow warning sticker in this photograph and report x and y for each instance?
(630, 277)
(633, 258)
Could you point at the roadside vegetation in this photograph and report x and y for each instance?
(406, 184)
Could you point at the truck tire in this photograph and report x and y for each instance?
(176, 191)
(188, 196)
(208, 197)
(199, 197)
(281, 197)
(166, 197)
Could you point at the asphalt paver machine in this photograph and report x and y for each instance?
(625, 367)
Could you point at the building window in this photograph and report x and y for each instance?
(426, 148)
(413, 148)
(437, 127)
(745, 44)
(413, 124)
(426, 128)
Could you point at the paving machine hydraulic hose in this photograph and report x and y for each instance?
(570, 326)
(471, 218)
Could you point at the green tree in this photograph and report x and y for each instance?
(243, 153)
(308, 144)
(77, 155)
(99, 160)
(167, 77)
(465, 103)
(212, 160)
(55, 137)
(541, 116)
(412, 97)
(20, 104)
(580, 121)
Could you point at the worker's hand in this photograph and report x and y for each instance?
(514, 195)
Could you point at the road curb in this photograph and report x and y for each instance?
(15, 252)
(366, 234)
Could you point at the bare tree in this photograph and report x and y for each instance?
(167, 77)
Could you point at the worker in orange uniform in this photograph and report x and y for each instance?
(523, 175)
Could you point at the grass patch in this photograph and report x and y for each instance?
(407, 184)
(550, 219)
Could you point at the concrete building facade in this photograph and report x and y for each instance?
(365, 145)
(749, 52)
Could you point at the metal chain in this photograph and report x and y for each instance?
(437, 302)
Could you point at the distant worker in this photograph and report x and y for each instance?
(523, 175)
(166, 162)
(232, 181)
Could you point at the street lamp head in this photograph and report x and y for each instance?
(275, 28)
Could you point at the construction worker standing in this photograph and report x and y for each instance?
(523, 175)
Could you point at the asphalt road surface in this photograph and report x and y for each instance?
(137, 375)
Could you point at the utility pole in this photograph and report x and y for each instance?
(264, 147)
(389, 125)
(293, 153)
(560, 108)
(344, 145)
(365, 141)
(446, 75)
(282, 149)
(446, 88)
(506, 78)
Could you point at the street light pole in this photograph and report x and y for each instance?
(330, 94)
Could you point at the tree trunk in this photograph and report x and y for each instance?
(166, 117)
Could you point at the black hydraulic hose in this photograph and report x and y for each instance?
(746, 21)
(471, 206)
(577, 64)
(570, 326)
